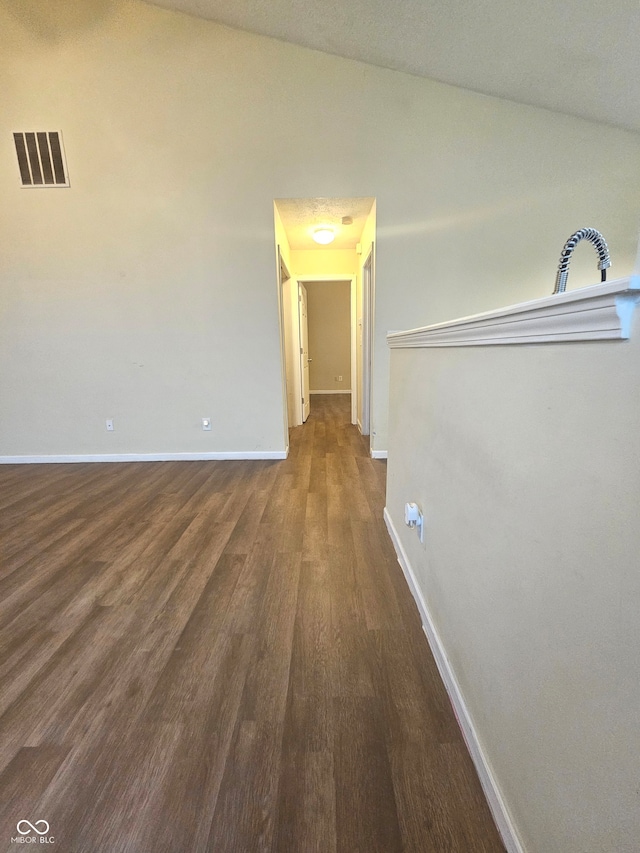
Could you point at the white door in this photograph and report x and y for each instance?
(304, 350)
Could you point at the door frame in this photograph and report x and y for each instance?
(368, 308)
(353, 325)
(305, 402)
(283, 275)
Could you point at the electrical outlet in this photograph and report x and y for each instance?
(414, 518)
(339, 378)
(109, 424)
(206, 424)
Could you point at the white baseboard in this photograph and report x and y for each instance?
(360, 425)
(487, 780)
(145, 457)
(378, 454)
(330, 392)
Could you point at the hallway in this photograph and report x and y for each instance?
(223, 657)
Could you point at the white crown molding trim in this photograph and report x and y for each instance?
(490, 787)
(379, 454)
(145, 457)
(348, 391)
(602, 312)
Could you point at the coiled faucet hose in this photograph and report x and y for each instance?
(593, 236)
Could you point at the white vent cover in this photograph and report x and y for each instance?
(41, 159)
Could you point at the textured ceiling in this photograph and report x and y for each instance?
(301, 216)
(576, 56)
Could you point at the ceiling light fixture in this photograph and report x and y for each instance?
(324, 235)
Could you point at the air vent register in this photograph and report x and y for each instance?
(41, 159)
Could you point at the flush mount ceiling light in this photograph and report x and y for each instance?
(324, 235)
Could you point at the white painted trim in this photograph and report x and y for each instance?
(600, 312)
(489, 784)
(297, 342)
(368, 337)
(378, 454)
(353, 307)
(288, 332)
(303, 356)
(281, 279)
(146, 457)
(330, 392)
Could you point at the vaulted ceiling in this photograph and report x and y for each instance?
(579, 57)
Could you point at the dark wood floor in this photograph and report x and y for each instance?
(222, 656)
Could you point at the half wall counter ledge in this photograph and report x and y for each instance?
(600, 312)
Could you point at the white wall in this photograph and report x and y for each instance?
(526, 463)
(324, 261)
(146, 292)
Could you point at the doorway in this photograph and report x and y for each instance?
(322, 378)
(296, 355)
(325, 240)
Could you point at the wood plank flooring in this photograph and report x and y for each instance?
(222, 657)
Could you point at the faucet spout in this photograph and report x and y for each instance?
(593, 236)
